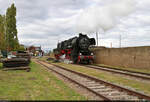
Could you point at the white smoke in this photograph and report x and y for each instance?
(96, 18)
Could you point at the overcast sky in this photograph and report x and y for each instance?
(45, 22)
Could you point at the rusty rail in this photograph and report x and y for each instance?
(114, 86)
(132, 74)
(105, 98)
(124, 70)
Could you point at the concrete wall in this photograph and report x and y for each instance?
(134, 57)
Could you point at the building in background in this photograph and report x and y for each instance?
(35, 50)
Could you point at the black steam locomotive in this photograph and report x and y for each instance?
(76, 49)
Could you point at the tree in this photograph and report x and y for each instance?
(2, 33)
(11, 30)
(21, 48)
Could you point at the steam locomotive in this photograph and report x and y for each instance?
(76, 49)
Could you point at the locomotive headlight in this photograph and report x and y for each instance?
(92, 54)
(80, 53)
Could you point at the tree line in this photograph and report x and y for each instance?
(8, 30)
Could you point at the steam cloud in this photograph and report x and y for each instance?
(96, 18)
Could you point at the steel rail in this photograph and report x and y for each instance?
(130, 92)
(136, 75)
(105, 98)
(142, 73)
(124, 70)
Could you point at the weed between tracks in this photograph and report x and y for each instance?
(140, 86)
(38, 84)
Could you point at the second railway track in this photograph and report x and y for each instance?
(138, 75)
(103, 89)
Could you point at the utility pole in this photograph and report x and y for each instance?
(111, 45)
(120, 41)
(97, 37)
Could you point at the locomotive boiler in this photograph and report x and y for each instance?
(76, 49)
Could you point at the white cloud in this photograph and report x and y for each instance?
(44, 22)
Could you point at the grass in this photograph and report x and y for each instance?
(139, 86)
(144, 70)
(43, 58)
(38, 84)
(0, 65)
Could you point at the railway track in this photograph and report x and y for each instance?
(138, 75)
(101, 88)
